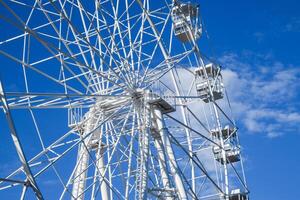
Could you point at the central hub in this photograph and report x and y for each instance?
(138, 94)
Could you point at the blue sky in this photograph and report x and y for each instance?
(258, 44)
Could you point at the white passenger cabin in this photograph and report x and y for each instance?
(237, 195)
(209, 77)
(232, 153)
(186, 21)
(226, 132)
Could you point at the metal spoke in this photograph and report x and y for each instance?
(118, 101)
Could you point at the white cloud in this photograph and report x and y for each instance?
(262, 92)
(263, 97)
(273, 122)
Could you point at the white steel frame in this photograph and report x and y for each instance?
(136, 134)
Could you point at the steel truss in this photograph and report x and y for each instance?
(140, 112)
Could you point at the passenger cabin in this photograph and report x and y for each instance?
(232, 153)
(226, 132)
(209, 77)
(186, 21)
(210, 69)
(237, 195)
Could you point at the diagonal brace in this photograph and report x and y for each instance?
(19, 148)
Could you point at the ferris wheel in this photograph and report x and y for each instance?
(113, 99)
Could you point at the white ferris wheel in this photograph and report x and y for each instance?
(114, 100)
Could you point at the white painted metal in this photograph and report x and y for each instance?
(143, 160)
(79, 181)
(115, 67)
(170, 154)
(185, 17)
(30, 182)
(101, 166)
